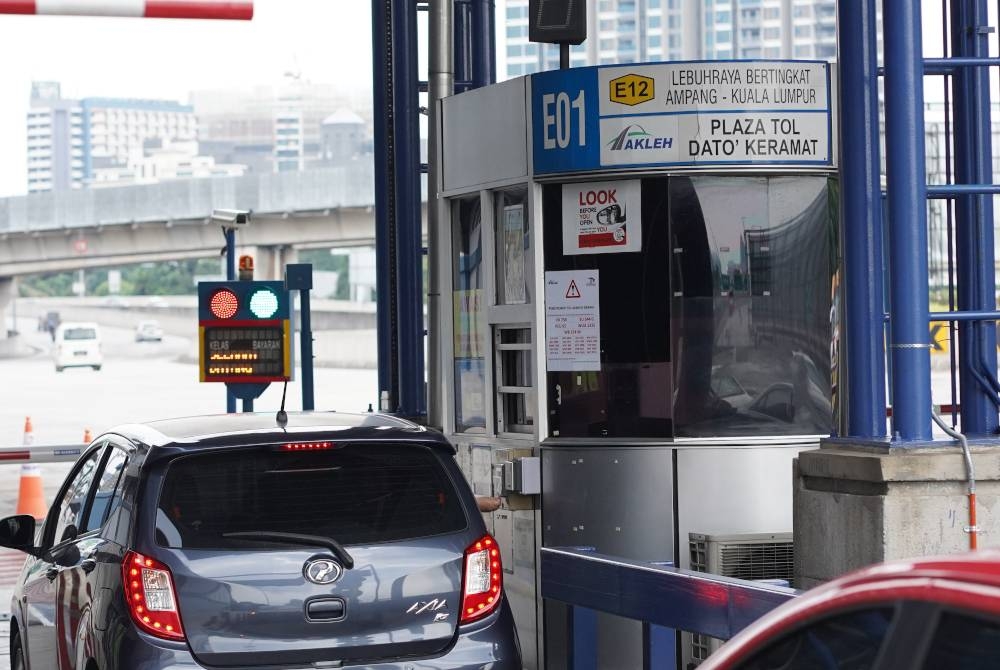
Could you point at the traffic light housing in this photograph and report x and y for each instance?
(244, 331)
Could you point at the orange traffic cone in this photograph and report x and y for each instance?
(29, 432)
(30, 497)
(87, 439)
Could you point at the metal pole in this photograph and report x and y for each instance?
(861, 217)
(385, 243)
(563, 56)
(406, 175)
(974, 220)
(907, 202)
(441, 83)
(230, 276)
(305, 335)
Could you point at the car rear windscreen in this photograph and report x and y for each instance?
(79, 334)
(355, 494)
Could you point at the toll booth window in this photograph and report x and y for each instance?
(714, 306)
(752, 266)
(513, 248)
(618, 229)
(515, 391)
(469, 325)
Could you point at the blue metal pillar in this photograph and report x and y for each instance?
(484, 62)
(409, 247)
(974, 219)
(475, 44)
(230, 276)
(306, 346)
(861, 214)
(907, 221)
(385, 242)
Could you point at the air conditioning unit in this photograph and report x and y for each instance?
(751, 556)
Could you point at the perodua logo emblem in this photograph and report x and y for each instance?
(322, 571)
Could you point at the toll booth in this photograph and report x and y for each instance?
(642, 265)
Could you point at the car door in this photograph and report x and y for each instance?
(54, 599)
(80, 585)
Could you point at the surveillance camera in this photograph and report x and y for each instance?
(231, 218)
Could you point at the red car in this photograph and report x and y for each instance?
(924, 614)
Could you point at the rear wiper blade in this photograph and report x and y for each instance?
(297, 538)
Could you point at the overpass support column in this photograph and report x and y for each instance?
(7, 287)
(269, 262)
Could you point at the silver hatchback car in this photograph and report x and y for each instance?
(336, 541)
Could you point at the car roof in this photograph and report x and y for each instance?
(968, 580)
(262, 428)
(980, 567)
(66, 325)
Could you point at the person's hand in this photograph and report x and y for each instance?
(488, 503)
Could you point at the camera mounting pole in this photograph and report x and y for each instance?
(230, 220)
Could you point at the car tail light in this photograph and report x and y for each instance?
(307, 446)
(152, 601)
(482, 581)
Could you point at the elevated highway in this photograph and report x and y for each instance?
(89, 228)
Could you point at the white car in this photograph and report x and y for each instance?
(77, 345)
(148, 331)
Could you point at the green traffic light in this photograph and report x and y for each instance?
(263, 303)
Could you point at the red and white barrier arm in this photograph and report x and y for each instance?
(41, 453)
(150, 9)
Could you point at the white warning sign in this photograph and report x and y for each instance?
(572, 320)
(602, 217)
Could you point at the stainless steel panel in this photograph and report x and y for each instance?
(620, 501)
(485, 137)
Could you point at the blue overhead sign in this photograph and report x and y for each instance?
(705, 113)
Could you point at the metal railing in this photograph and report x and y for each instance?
(665, 599)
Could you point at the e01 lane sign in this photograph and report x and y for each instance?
(699, 113)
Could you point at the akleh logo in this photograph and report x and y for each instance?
(636, 138)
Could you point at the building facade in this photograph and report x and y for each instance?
(631, 31)
(69, 140)
(269, 128)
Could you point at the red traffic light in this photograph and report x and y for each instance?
(223, 304)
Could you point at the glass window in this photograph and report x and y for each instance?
(107, 496)
(751, 304)
(630, 395)
(80, 334)
(467, 300)
(356, 494)
(964, 643)
(513, 247)
(720, 327)
(846, 642)
(71, 506)
(515, 390)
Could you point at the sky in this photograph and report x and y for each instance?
(327, 41)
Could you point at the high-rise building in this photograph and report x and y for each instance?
(68, 140)
(268, 128)
(630, 31)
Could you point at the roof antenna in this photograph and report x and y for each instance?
(282, 417)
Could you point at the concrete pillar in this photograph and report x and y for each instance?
(7, 287)
(859, 504)
(269, 261)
